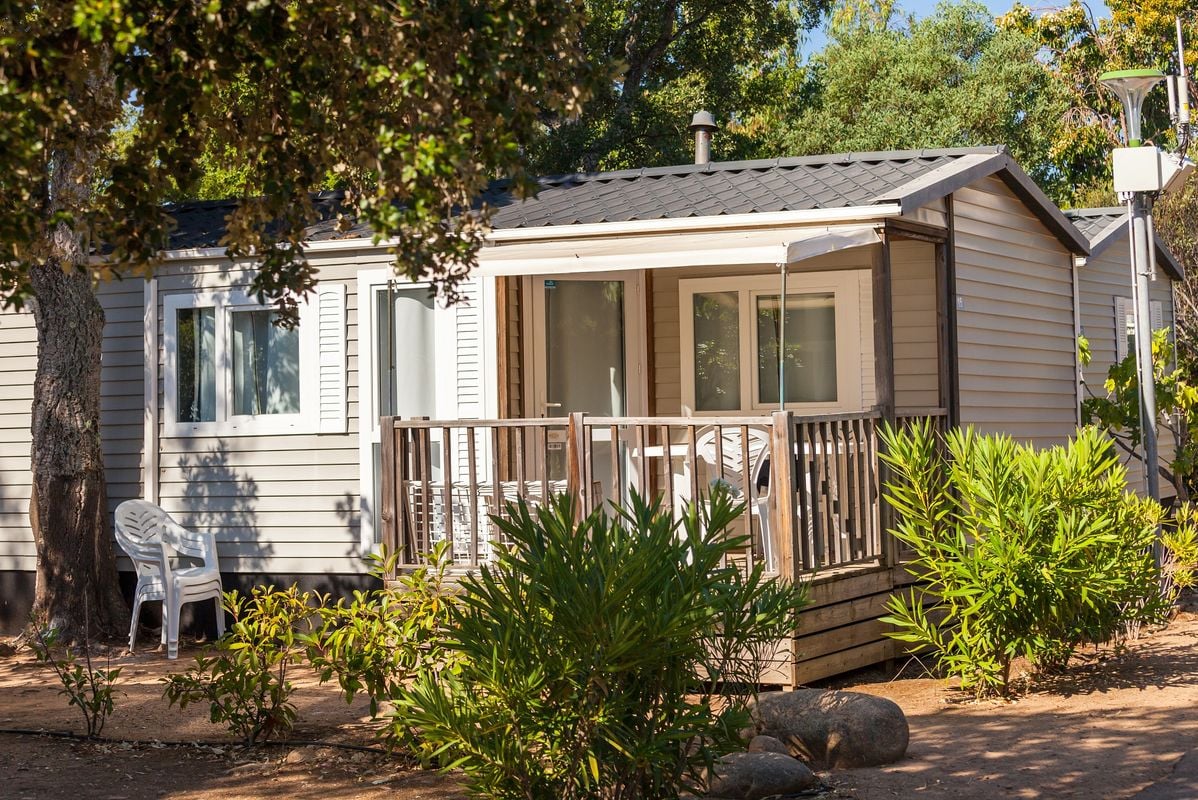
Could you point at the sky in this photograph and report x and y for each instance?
(921, 8)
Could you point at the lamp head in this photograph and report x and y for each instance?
(1131, 86)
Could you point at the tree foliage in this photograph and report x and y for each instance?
(412, 106)
(1118, 410)
(951, 79)
(738, 60)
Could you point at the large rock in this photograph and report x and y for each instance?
(767, 744)
(751, 776)
(834, 730)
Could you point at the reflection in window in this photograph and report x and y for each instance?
(265, 365)
(196, 382)
(809, 359)
(717, 351)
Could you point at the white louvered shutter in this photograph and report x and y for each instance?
(468, 356)
(1123, 326)
(331, 335)
(1157, 314)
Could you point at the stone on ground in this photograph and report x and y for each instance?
(834, 730)
(767, 744)
(752, 776)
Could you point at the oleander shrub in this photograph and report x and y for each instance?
(246, 676)
(605, 657)
(1021, 552)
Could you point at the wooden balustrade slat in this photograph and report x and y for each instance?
(472, 494)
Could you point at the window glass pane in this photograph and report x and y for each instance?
(810, 348)
(406, 352)
(717, 351)
(584, 347)
(266, 377)
(195, 330)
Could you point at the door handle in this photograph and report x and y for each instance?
(553, 405)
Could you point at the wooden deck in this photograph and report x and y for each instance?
(446, 479)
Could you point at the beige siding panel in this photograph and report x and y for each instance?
(1014, 319)
(277, 504)
(1100, 281)
(916, 353)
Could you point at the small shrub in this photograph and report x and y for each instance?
(1023, 552)
(1179, 539)
(89, 689)
(245, 678)
(609, 657)
(380, 639)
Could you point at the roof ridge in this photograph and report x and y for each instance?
(1103, 211)
(549, 181)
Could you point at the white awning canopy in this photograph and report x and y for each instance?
(726, 248)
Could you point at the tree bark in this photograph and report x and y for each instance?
(76, 590)
(68, 509)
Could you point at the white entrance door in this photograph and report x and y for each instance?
(406, 368)
(587, 342)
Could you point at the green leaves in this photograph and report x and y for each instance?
(266, 102)
(1021, 552)
(585, 650)
(245, 681)
(90, 689)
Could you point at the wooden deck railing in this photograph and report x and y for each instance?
(446, 480)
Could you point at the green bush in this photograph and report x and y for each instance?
(89, 688)
(608, 657)
(1022, 552)
(246, 681)
(379, 639)
(1179, 565)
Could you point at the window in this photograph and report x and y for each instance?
(230, 370)
(739, 340)
(1125, 324)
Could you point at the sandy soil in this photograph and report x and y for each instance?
(1116, 723)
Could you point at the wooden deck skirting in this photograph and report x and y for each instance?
(446, 479)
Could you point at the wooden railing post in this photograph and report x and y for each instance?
(782, 489)
(387, 511)
(576, 453)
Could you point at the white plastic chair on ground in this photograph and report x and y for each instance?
(159, 547)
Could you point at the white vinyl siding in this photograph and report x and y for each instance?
(18, 361)
(278, 504)
(1015, 332)
(1102, 282)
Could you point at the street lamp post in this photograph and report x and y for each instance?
(1137, 179)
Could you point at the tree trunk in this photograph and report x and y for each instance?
(77, 590)
(68, 509)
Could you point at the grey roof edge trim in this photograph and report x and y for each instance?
(766, 163)
(1109, 236)
(1001, 164)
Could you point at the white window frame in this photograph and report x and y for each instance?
(227, 302)
(1125, 311)
(843, 285)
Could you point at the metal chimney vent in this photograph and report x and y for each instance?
(702, 126)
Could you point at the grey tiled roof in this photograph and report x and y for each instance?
(1093, 222)
(689, 190)
(1102, 226)
(744, 187)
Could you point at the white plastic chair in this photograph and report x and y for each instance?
(157, 545)
(755, 453)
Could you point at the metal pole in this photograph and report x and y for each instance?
(1143, 321)
(782, 342)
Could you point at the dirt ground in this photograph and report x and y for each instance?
(1116, 723)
